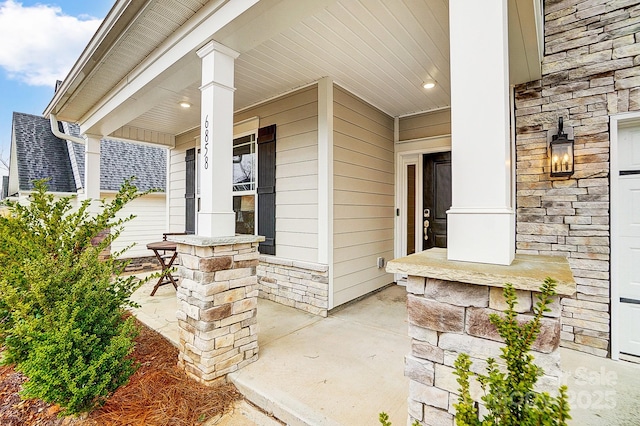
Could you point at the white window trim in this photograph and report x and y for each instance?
(253, 191)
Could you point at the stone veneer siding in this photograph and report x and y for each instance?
(143, 264)
(591, 70)
(302, 285)
(447, 318)
(217, 307)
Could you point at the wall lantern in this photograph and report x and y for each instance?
(561, 153)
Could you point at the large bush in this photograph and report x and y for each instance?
(61, 307)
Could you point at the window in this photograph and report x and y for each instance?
(254, 163)
(244, 183)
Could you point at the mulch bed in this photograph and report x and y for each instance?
(159, 393)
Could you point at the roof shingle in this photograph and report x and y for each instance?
(40, 155)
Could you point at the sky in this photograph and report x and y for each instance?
(39, 43)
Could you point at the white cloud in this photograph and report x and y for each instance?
(39, 43)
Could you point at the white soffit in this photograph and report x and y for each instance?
(382, 50)
(154, 23)
(526, 44)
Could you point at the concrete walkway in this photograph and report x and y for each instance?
(345, 369)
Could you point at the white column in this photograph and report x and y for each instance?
(91, 167)
(325, 177)
(481, 222)
(216, 217)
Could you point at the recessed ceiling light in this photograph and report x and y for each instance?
(185, 104)
(429, 85)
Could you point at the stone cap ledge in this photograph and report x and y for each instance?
(201, 241)
(526, 272)
(318, 267)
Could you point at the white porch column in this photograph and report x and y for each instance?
(216, 217)
(481, 222)
(91, 167)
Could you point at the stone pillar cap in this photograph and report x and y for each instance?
(526, 272)
(200, 241)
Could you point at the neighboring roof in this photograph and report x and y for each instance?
(120, 160)
(40, 155)
(5, 187)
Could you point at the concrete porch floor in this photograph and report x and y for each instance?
(348, 367)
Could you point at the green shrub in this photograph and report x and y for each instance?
(62, 307)
(383, 418)
(511, 399)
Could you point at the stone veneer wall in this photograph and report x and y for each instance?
(217, 307)
(447, 318)
(302, 285)
(591, 69)
(143, 264)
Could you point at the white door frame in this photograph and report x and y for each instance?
(406, 152)
(405, 160)
(614, 173)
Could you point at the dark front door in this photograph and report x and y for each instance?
(437, 198)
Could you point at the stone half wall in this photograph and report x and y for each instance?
(591, 70)
(448, 308)
(447, 318)
(302, 285)
(143, 264)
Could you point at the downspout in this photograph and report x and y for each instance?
(56, 131)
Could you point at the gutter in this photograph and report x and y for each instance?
(56, 131)
(122, 13)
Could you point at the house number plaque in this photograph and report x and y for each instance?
(206, 142)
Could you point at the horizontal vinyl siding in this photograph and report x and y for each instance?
(177, 179)
(296, 118)
(425, 125)
(363, 196)
(145, 228)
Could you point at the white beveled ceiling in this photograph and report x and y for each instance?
(382, 50)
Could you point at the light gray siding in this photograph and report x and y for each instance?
(145, 228)
(363, 196)
(296, 118)
(425, 125)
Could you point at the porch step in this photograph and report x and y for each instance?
(244, 413)
(286, 409)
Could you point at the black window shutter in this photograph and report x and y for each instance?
(267, 188)
(190, 193)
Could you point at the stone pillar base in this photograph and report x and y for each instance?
(217, 305)
(448, 308)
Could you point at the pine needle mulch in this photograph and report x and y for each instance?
(159, 393)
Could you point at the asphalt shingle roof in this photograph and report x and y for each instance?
(5, 187)
(41, 154)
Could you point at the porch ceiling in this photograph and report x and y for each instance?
(382, 50)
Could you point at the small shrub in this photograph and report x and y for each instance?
(383, 418)
(509, 397)
(61, 307)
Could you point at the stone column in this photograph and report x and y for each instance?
(91, 168)
(481, 221)
(448, 308)
(217, 305)
(216, 217)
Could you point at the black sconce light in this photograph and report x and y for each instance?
(561, 153)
